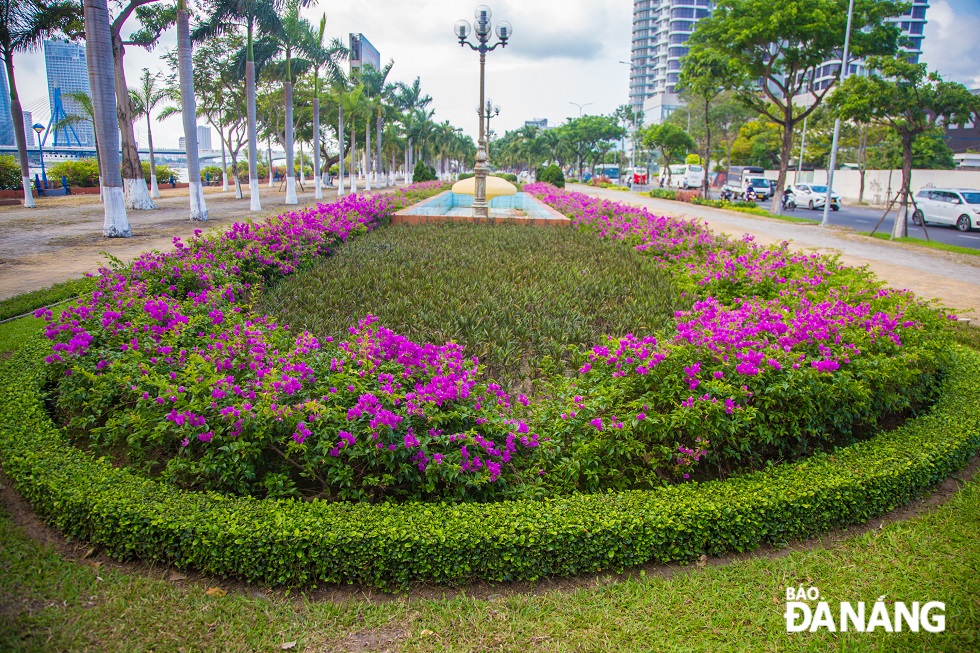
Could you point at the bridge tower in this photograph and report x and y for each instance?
(58, 114)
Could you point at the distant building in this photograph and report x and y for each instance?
(967, 137)
(182, 143)
(203, 137)
(6, 119)
(67, 70)
(362, 52)
(29, 132)
(540, 123)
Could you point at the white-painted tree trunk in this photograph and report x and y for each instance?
(353, 161)
(253, 141)
(198, 208)
(116, 223)
(138, 195)
(317, 173)
(28, 195)
(154, 187)
(290, 164)
(367, 155)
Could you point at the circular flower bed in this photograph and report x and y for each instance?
(781, 356)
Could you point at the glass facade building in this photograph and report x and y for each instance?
(67, 69)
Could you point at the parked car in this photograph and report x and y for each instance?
(814, 196)
(953, 206)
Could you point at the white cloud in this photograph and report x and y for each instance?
(562, 51)
(951, 45)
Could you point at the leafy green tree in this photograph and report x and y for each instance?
(591, 136)
(909, 100)
(782, 44)
(9, 173)
(706, 74)
(81, 173)
(670, 139)
(757, 144)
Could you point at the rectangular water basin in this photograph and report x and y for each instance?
(520, 208)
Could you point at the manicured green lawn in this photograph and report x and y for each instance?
(931, 244)
(511, 294)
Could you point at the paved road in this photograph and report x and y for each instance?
(863, 220)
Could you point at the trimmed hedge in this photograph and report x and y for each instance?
(293, 542)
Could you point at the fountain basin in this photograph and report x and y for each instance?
(519, 208)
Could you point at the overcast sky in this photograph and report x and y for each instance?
(562, 51)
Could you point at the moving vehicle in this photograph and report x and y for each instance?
(814, 196)
(637, 175)
(686, 176)
(788, 201)
(952, 206)
(608, 170)
(741, 178)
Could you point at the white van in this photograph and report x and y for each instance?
(952, 206)
(686, 176)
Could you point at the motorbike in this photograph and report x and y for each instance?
(726, 194)
(788, 201)
(750, 195)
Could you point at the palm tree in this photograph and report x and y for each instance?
(98, 48)
(379, 93)
(188, 111)
(145, 98)
(87, 115)
(24, 24)
(410, 99)
(322, 55)
(348, 98)
(153, 21)
(223, 16)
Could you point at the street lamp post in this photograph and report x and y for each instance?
(580, 107)
(38, 128)
(833, 148)
(482, 30)
(490, 110)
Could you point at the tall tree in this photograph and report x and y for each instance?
(24, 24)
(778, 46)
(226, 15)
(909, 100)
(380, 95)
(153, 20)
(670, 139)
(413, 103)
(145, 98)
(185, 71)
(706, 74)
(98, 50)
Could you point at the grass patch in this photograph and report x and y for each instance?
(931, 244)
(512, 295)
(27, 302)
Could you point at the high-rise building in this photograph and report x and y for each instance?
(29, 133)
(660, 32)
(6, 120)
(67, 70)
(203, 137)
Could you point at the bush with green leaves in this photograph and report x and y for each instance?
(464, 175)
(10, 175)
(83, 173)
(163, 172)
(423, 173)
(552, 175)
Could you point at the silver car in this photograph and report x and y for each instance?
(952, 206)
(813, 196)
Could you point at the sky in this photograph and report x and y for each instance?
(562, 51)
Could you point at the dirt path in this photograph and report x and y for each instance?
(952, 279)
(62, 238)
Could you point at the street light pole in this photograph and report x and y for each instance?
(482, 30)
(833, 147)
(38, 128)
(580, 107)
(489, 110)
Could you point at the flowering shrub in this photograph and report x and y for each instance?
(783, 354)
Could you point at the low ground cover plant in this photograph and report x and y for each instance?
(169, 369)
(515, 297)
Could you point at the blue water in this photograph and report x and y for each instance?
(446, 202)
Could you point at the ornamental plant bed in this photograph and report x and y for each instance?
(784, 363)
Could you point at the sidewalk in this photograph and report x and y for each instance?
(953, 279)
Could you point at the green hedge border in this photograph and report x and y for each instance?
(390, 546)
